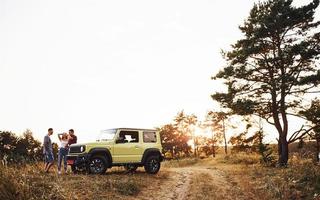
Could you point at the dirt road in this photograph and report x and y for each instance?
(195, 182)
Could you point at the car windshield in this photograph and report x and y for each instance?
(106, 135)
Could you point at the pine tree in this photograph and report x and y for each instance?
(271, 70)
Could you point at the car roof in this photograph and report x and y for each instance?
(136, 129)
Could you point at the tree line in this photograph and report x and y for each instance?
(19, 149)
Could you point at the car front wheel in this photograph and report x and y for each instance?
(97, 165)
(152, 165)
(77, 170)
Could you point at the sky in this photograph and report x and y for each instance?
(99, 64)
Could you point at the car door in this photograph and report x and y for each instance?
(128, 147)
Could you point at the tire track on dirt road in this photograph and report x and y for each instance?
(175, 188)
(180, 185)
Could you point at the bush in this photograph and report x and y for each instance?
(242, 158)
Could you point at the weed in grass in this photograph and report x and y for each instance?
(129, 188)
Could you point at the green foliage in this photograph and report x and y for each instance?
(245, 143)
(265, 151)
(277, 53)
(312, 114)
(14, 149)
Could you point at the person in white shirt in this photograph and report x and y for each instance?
(63, 151)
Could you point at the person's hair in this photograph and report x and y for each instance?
(71, 130)
(50, 129)
(64, 136)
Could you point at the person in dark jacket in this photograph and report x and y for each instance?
(72, 137)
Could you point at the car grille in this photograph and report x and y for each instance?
(75, 149)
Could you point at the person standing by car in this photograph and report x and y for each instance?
(63, 151)
(48, 151)
(72, 137)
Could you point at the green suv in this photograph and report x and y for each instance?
(128, 147)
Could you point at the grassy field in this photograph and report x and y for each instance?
(236, 174)
(300, 180)
(30, 182)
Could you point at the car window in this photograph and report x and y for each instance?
(128, 137)
(106, 135)
(149, 137)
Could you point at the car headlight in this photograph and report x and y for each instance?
(82, 149)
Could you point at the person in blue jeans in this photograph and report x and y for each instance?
(63, 152)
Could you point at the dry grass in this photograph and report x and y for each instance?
(180, 162)
(31, 183)
(300, 180)
(240, 158)
(201, 188)
(238, 175)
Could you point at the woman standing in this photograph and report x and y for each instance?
(63, 151)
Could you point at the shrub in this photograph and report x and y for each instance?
(129, 188)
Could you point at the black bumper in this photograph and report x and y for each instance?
(77, 159)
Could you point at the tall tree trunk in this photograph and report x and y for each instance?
(172, 152)
(279, 149)
(318, 149)
(283, 159)
(225, 138)
(213, 151)
(213, 147)
(195, 142)
(283, 149)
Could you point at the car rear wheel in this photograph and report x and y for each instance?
(152, 165)
(97, 165)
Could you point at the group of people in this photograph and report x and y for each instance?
(65, 140)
